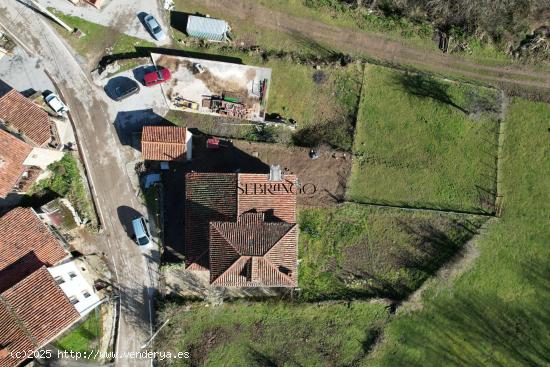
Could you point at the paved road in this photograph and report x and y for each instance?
(135, 267)
(121, 15)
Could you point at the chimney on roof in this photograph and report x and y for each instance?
(275, 173)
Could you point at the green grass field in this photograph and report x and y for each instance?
(65, 181)
(424, 142)
(357, 251)
(496, 314)
(272, 333)
(84, 337)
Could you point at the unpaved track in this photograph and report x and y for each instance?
(356, 41)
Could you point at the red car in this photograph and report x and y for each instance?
(156, 77)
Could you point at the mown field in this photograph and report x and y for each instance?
(271, 333)
(425, 142)
(357, 251)
(495, 314)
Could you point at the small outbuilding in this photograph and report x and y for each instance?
(207, 28)
(166, 143)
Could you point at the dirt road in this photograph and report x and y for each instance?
(359, 42)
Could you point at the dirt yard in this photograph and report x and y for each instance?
(328, 173)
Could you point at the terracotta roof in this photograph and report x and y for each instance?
(277, 198)
(26, 117)
(13, 153)
(25, 245)
(12, 337)
(208, 197)
(251, 253)
(246, 233)
(163, 143)
(33, 311)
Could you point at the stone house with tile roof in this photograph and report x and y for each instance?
(166, 143)
(42, 291)
(24, 117)
(242, 228)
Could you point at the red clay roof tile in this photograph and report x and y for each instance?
(163, 143)
(37, 310)
(26, 244)
(13, 153)
(25, 116)
(248, 231)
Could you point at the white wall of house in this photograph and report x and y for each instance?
(42, 158)
(71, 281)
(189, 144)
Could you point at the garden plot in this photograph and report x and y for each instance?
(216, 88)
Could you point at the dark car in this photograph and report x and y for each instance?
(121, 87)
(156, 77)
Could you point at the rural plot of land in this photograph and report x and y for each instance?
(425, 142)
(322, 102)
(361, 251)
(496, 313)
(272, 333)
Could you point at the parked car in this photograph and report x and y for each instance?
(158, 76)
(141, 233)
(121, 87)
(200, 68)
(154, 27)
(56, 104)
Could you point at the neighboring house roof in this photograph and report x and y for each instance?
(252, 252)
(32, 312)
(13, 153)
(207, 28)
(163, 143)
(25, 245)
(242, 228)
(25, 116)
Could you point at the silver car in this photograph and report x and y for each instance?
(154, 27)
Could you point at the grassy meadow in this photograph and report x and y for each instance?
(358, 251)
(83, 338)
(271, 333)
(495, 314)
(425, 142)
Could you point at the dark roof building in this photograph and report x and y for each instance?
(25, 117)
(242, 227)
(165, 143)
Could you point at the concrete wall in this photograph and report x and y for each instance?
(42, 157)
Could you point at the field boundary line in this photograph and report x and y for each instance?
(423, 209)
